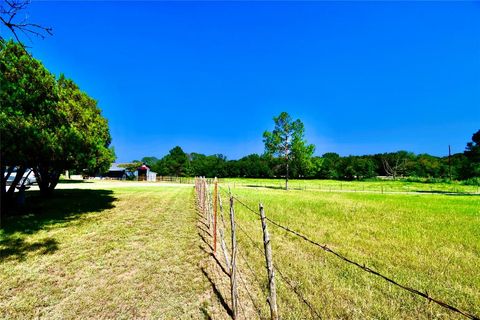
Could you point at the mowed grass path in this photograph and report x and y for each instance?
(429, 242)
(120, 254)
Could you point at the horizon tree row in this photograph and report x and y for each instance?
(459, 166)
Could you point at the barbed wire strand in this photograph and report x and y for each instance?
(257, 309)
(365, 268)
(299, 294)
(251, 270)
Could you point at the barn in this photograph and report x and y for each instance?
(144, 173)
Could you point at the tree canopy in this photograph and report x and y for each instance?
(472, 152)
(287, 141)
(175, 163)
(47, 124)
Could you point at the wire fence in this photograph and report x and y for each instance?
(254, 295)
(382, 187)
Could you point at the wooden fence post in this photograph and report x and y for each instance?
(205, 209)
(200, 190)
(215, 198)
(233, 267)
(272, 298)
(222, 235)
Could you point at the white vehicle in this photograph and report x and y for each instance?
(28, 177)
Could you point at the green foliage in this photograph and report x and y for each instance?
(472, 152)
(425, 165)
(330, 166)
(402, 164)
(132, 166)
(472, 181)
(151, 162)
(208, 166)
(175, 163)
(357, 168)
(287, 141)
(28, 114)
(253, 165)
(87, 145)
(48, 124)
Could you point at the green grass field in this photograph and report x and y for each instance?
(376, 186)
(426, 241)
(121, 250)
(120, 254)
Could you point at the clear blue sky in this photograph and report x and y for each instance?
(364, 77)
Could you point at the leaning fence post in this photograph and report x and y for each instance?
(215, 198)
(233, 268)
(272, 299)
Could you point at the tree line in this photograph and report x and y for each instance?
(459, 166)
(328, 166)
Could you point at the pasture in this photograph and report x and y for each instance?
(116, 253)
(372, 186)
(426, 241)
(121, 250)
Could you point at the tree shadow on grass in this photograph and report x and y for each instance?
(67, 181)
(449, 193)
(17, 248)
(264, 186)
(276, 187)
(39, 213)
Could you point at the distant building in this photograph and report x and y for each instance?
(144, 174)
(116, 172)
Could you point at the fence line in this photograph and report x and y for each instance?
(363, 267)
(332, 187)
(347, 187)
(284, 278)
(300, 296)
(207, 205)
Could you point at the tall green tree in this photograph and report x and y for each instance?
(152, 162)
(47, 124)
(287, 141)
(472, 152)
(175, 163)
(28, 113)
(330, 166)
(86, 144)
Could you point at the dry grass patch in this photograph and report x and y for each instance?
(120, 253)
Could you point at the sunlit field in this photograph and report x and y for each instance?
(121, 250)
(426, 241)
(118, 253)
(377, 186)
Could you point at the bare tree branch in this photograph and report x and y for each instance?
(9, 10)
(394, 167)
